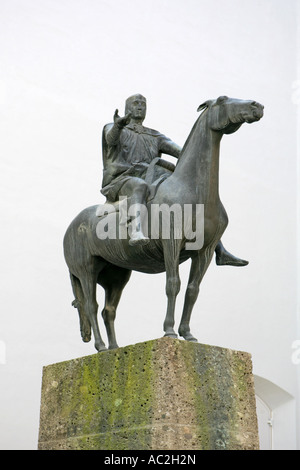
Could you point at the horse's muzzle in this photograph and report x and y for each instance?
(258, 111)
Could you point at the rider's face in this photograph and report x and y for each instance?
(138, 109)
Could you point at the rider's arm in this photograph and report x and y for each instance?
(169, 147)
(113, 133)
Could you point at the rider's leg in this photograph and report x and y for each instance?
(137, 191)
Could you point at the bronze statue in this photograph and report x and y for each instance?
(109, 261)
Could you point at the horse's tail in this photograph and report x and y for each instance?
(85, 326)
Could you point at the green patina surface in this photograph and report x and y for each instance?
(217, 385)
(128, 398)
(208, 386)
(100, 396)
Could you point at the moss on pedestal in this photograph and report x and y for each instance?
(161, 394)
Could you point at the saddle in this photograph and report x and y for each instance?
(157, 172)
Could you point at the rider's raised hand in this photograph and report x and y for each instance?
(121, 121)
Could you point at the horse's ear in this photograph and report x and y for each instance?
(204, 105)
(221, 99)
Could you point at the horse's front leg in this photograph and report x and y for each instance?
(200, 263)
(171, 255)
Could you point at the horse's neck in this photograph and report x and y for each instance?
(198, 166)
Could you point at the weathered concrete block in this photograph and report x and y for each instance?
(164, 394)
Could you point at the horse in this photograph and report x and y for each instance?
(109, 262)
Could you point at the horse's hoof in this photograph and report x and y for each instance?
(188, 337)
(101, 348)
(191, 339)
(171, 335)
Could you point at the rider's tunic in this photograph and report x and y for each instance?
(130, 155)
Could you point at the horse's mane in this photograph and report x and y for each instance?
(203, 107)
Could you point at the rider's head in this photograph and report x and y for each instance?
(137, 106)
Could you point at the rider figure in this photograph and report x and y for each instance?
(128, 148)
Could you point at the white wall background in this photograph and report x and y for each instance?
(66, 65)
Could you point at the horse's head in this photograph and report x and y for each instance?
(228, 114)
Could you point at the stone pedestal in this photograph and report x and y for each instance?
(164, 394)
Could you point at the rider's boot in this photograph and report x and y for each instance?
(224, 258)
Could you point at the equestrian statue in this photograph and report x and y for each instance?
(106, 242)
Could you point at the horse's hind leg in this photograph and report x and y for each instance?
(85, 326)
(113, 279)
